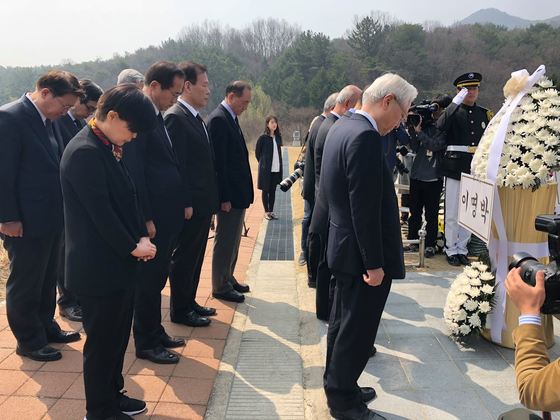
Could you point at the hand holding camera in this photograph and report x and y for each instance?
(528, 299)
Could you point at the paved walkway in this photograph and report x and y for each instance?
(264, 359)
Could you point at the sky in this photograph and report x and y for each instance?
(35, 32)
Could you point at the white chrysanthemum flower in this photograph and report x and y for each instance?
(550, 93)
(550, 158)
(476, 282)
(555, 101)
(544, 174)
(487, 289)
(474, 292)
(523, 170)
(538, 149)
(471, 305)
(545, 82)
(484, 307)
(470, 272)
(486, 276)
(539, 95)
(474, 320)
(464, 329)
(544, 105)
(554, 125)
(482, 267)
(510, 181)
(462, 298)
(536, 164)
(527, 180)
(515, 152)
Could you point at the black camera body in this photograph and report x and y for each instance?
(424, 111)
(530, 265)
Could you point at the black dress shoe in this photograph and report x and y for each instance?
(453, 260)
(45, 354)
(463, 258)
(204, 310)
(368, 394)
(302, 260)
(230, 296)
(312, 284)
(158, 355)
(63, 336)
(171, 342)
(360, 412)
(241, 288)
(73, 313)
(192, 319)
(373, 351)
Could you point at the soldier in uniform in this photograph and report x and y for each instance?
(462, 123)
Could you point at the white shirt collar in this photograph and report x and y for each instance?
(335, 114)
(369, 118)
(28, 96)
(71, 116)
(226, 106)
(189, 107)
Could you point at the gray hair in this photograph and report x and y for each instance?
(130, 76)
(330, 102)
(388, 84)
(347, 93)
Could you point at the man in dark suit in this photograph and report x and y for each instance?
(68, 126)
(235, 186)
(106, 235)
(193, 148)
(31, 217)
(364, 250)
(320, 273)
(158, 179)
(308, 192)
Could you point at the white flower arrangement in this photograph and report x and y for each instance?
(531, 151)
(469, 300)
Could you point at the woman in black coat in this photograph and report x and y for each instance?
(105, 238)
(269, 155)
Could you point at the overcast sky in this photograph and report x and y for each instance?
(34, 32)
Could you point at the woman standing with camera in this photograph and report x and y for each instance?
(269, 155)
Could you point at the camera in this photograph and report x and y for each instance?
(530, 265)
(287, 183)
(422, 112)
(299, 164)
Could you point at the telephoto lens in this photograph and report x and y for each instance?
(287, 183)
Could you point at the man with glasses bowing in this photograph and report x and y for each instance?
(31, 215)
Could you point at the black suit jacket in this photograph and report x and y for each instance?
(103, 218)
(155, 171)
(68, 128)
(309, 172)
(264, 155)
(196, 160)
(235, 182)
(364, 230)
(29, 171)
(320, 144)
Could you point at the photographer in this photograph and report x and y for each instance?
(426, 183)
(538, 380)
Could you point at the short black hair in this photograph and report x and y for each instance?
(192, 70)
(163, 72)
(442, 100)
(132, 106)
(92, 91)
(60, 83)
(237, 87)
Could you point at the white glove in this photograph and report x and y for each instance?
(460, 97)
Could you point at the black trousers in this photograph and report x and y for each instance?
(226, 249)
(65, 297)
(31, 288)
(106, 320)
(424, 196)
(186, 263)
(269, 195)
(319, 272)
(151, 281)
(353, 325)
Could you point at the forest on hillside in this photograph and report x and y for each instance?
(293, 70)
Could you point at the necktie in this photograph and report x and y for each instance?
(52, 138)
(162, 126)
(78, 124)
(239, 128)
(199, 118)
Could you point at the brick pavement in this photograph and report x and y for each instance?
(32, 390)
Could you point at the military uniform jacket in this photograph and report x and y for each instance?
(463, 127)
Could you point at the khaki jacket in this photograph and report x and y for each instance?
(538, 380)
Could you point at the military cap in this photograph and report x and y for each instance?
(468, 79)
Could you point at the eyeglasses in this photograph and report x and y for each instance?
(404, 112)
(62, 104)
